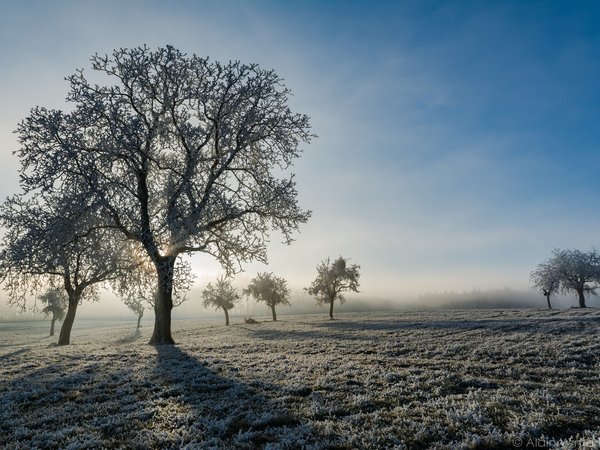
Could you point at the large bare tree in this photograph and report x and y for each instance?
(182, 155)
(332, 280)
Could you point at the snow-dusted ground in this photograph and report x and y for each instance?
(452, 379)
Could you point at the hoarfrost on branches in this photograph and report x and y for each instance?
(43, 245)
(546, 278)
(179, 153)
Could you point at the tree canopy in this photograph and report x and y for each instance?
(178, 153)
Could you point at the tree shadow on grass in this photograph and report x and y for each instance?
(40, 403)
(208, 406)
(7, 357)
(543, 325)
(118, 397)
(136, 335)
(27, 342)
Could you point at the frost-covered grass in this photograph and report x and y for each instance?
(462, 379)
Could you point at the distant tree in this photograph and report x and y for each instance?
(333, 279)
(221, 295)
(56, 304)
(576, 271)
(181, 155)
(41, 247)
(270, 289)
(547, 280)
(138, 306)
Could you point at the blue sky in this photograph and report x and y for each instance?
(458, 141)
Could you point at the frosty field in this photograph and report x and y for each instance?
(452, 379)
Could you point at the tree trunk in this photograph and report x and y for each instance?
(52, 325)
(273, 313)
(226, 316)
(140, 315)
(163, 304)
(331, 309)
(548, 300)
(65, 329)
(581, 298)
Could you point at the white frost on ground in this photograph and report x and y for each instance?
(461, 379)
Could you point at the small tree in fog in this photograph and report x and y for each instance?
(576, 271)
(221, 295)
(333, 279)
(546, 279)
(270, 289)
(56, 304)
(138, 306)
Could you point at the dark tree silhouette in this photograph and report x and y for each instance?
(575, 270)
(221, 295)
(56, 304)
(137, 288)
(270, 289)
(547, 280)
(332, 280)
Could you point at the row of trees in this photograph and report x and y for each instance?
(163, 156)
(333, 279)
(568, 271)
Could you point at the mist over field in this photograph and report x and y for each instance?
(111, 307)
